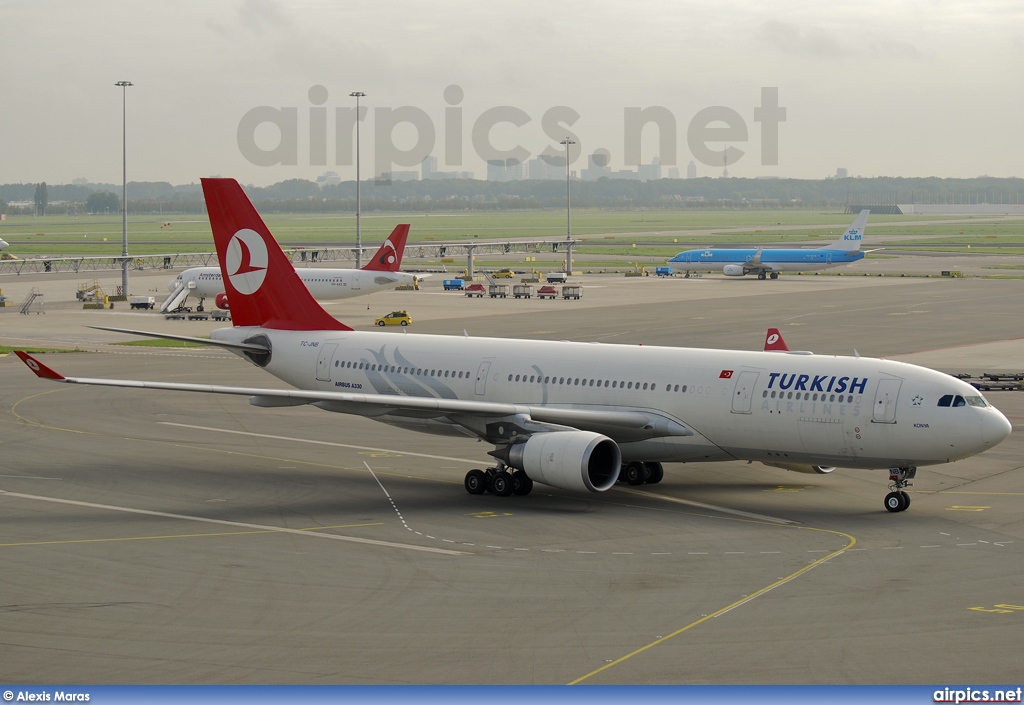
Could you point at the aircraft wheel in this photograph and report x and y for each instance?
(634, 474)
(775, 275)
(653, 473)
(199, 308)
(906, 500)
(521, 483)
(501, 484)
(894, 502)
(761, 276)
(476, 482)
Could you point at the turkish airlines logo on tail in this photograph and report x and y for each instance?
(246, 261)
(390, 255)
(726, 374)
(772, 339)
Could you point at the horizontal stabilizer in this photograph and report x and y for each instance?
(251, 347)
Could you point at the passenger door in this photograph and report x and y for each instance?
(481, 377)
(323, 362)
(884, 410)
(744, 392)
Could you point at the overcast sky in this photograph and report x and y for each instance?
(879, 87)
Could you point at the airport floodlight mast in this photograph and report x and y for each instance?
(568, 217)
(568, 212)
(359, 238)
(123, 85)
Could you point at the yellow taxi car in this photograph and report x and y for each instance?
(504, 274)
(395, 318)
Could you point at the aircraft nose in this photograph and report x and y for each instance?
(995, 428)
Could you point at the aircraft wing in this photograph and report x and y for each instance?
(624, 425)
(754, 262)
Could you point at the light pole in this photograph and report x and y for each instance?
(568, 211)
(123, 85)
(359, 237)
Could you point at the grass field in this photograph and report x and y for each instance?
(611, 229)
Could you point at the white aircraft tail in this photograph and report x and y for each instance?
(851, 239)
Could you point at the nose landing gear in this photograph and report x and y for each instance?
(897, 500)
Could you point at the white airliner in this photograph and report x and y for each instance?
(575, 415)
(3, 244)
(381, 272)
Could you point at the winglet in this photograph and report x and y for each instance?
(773, 341)
(39, 368)
(389, 257)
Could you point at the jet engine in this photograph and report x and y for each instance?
(222, 301)
(806, 469)
(733, 270)
(570, 460)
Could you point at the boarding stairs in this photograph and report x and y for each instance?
(177, 297)
(33, 303)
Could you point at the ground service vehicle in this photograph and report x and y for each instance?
(395, 318)
(547, 292)
(573, 291)
(522, 291)
(454, 285)
(142, 301)
(475, 290)
(498, 291)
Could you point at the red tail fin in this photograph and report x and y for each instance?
(260, 282)
(773, 341)
(389, 256)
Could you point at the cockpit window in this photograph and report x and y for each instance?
(957, 400)
(977, 401)
(946, 400)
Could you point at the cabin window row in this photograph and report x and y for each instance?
(398, 369)
(807, 396)
(584, 382)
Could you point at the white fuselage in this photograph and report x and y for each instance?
(758, 406)
(323, 284)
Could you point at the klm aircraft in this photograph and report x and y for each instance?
(765, 263)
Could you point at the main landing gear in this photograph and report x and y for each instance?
(499, 481)
(897, 500)
(762, 275)
(636, 473)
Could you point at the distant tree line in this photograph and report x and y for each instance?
(300, 195)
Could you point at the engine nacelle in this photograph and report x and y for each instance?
(570, 460)
(806, 469)
(733, 270)
(222, 301)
